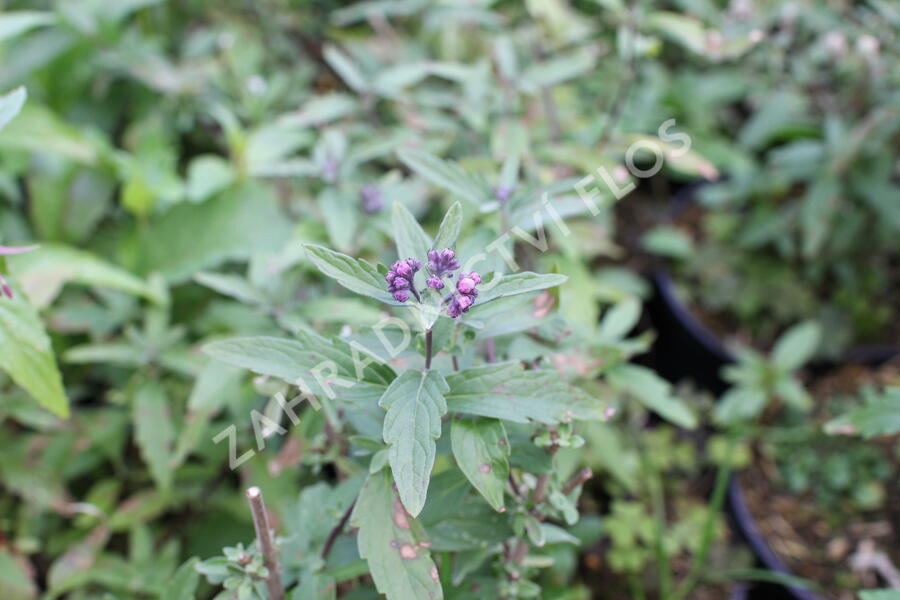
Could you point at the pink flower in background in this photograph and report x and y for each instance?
(7, 251)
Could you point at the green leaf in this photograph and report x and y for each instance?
(558, 69)
(411, 240)
(684, 30)
(668, 241)
(879, 416)
(340, 213)
(451, 225)
(183, 583)
(518, 283)
(231, 285)
(11, 104)
(392, 543)
(13, 23)
(415, 404)
(208, 175)
(315, 586)
(154, 432)
(232, 226)
(354, 274)
(481, 449)
(26, 354)
(16, 576)
(879, 595)
(506, 391)
(739, 404)
(38, 129)
(291, 360)
(653, 392)
(446, 174)
(796, 346)
(43, 272)
(346, 68)
(619, 320)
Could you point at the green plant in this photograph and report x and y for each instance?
(805, 127)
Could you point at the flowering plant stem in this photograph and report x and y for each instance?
(428, 348)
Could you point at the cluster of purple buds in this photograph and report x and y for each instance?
(372, 202)
(400, 279)
(441, 264)
(464, 297)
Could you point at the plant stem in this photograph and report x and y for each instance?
(428, 349)
(657, 501)
(581, 477)
(336, 531)
(715, 506)
(266, 544)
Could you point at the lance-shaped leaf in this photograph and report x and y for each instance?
(11, 104)
(26, 354)
(301, 359)
(518, 283)
(154, 432)
(393, 543)
(356, 275)
(415, 404)
(412, 241)
(506, 391)
(446, 174)
(451, 225)
(44, 272)
(481, 449)
(653, 392)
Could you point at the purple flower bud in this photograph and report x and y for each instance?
(442, 263)
(329, 170)
(372, 202)
(464, 302)
(435, 283)
(465, 285)
(503, 193)
(400, 278)
(402, 268)
(453, 310)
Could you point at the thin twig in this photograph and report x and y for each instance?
(326, 550)
(266, 545)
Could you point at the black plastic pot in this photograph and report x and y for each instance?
(686, 349)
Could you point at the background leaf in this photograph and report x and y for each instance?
(411, 240)
(11, 103)
(43, 272)
(26, 354)
(154, 432)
